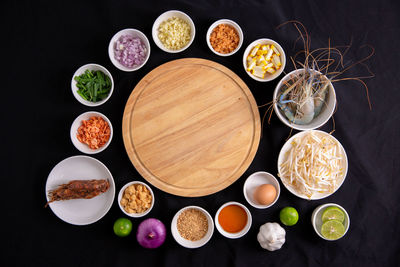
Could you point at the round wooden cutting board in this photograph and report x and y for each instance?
(191, 127)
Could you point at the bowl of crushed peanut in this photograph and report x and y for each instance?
(136, 199)
(192, 227)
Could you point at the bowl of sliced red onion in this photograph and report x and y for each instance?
(129, 49)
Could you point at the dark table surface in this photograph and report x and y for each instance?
(45, 42)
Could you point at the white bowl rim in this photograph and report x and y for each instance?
(192, 28)
(237, 28)
(280, 158)
(264, 41)
(135, 215)
(332, 93)
(77, 120)
(278, 189)
(118, 65)
(202, 241)
(74, 88)
(238, 234)
(323, 206)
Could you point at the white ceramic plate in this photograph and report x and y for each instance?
(187, 243)
(315, 196)
(80, 211)
(254, 181)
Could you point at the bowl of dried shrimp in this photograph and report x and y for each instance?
(91, 132)
(304, 99)
(312, 164)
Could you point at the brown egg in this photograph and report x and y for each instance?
(265, 194)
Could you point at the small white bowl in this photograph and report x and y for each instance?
(231, 23)
(165, 16)
(187, 243)
(288, 145)
(238, 234)
(84, 148)
(326, 110)
(134, 33)
(135, 215)
(316, 219)
(254, 181)
(268, 77)
(81, 70)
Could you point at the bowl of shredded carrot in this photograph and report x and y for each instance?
(224, 37)
(91, 132)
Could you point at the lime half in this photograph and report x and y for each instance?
(333, 213)
(332, 229)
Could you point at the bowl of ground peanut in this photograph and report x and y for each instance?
(224, 37)
(136, 199)
(192, 227)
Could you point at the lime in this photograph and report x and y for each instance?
(289, 216)
(332, 229)
(333, 213)
(122, 227)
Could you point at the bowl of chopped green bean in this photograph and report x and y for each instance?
(92, 85)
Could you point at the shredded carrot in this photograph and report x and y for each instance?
(94, 132)
(224, 39)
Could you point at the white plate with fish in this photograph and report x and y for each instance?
(80, 169)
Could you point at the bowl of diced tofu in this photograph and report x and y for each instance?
(264, 60)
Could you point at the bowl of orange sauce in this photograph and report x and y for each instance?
(233, 220)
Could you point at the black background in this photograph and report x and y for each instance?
(43, 43)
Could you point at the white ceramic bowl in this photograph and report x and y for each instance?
(74, 130)
(81, 70)
(316, 219)
(288, 145)
(165, 16)
(254, 181)
(268, 77)
(135, 215)
(134, 33)
(326, 110)
(187, 243)
(238, 234)
(235, 26)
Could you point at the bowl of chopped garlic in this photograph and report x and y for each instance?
(192, 227)
(136, 199)
(173, 31)
(264, 60)
(312, 164)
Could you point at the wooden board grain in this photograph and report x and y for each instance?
(191, 127)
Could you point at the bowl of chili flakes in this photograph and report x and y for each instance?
(91, 132)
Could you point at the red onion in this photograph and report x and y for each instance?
(130, 51)
(151, 233)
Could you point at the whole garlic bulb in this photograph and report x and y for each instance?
(271, 236)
